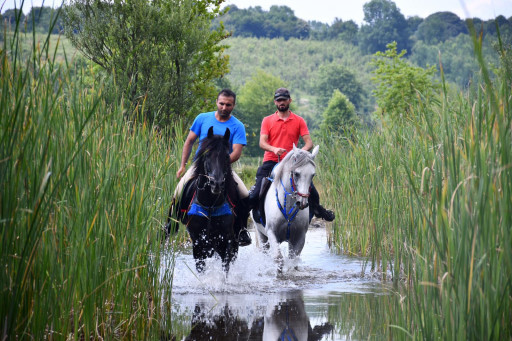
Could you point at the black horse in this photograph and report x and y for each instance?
(206, 204)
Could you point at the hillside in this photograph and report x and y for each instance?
(296, 62)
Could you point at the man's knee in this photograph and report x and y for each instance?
(240, 186)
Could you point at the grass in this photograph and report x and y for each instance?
(428, 203)
(84, 194)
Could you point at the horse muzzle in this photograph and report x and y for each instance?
(302, 202)
(217, 187)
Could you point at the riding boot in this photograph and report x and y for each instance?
(318, 210)
(244, 237)
(253, 198)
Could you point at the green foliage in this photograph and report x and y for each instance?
(343, 30)
(384, 24)
(400, 85)
(255, 100)
(340, 114)
(456, 56)
(162, 54)
(430, 203)
(279, 21)
(334, 76)
(439, 27)
(297, 63)
(83, 198)
(10, 17)
(504, 70)
(44, 20)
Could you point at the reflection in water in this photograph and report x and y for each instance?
(285, 320)
(328, 297)
(224, 326)
(289, 321)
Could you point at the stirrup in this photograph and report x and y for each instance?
(244, 238)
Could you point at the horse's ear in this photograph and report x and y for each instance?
(227, 134)
(210, 132)
(294, 147)
(315, 151)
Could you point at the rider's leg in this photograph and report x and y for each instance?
(263, 171)
(242, 211)
(184, 179)
(172, 225)
(318, 210)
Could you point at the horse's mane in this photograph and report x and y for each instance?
(217, 147)
(295, 158)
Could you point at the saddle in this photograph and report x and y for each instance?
(181, 205)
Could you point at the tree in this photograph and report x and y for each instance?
(162, 53)
(344, 30)
(400, 86)
(255, 101)
(44, 19)
(413, 23)
(337, 77)
(385, 24)
(439, 27)
(11, 15)
(340, 114)
(279, 21)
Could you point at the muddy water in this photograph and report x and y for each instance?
(327, 297)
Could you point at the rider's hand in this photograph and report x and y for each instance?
(279, 151)
(180, 171)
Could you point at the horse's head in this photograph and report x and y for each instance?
(301, 167)
(213, 165)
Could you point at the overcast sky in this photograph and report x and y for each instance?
(327, 10)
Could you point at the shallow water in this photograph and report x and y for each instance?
(328, 296)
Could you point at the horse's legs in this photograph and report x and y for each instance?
(201, 250)
(201, 247)
(199, 257)
(295, 247)
(224, 240)
(275, 251)
(263, 239)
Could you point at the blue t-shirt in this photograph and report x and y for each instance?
(204, 121)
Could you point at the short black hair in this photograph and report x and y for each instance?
(227, 93)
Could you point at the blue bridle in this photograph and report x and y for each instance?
(292, 212)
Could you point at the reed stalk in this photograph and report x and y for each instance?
(429, 203)
(84, 195)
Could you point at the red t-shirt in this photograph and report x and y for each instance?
(282, 133)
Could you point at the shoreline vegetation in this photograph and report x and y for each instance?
(85, 193)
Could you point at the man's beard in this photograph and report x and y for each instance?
(224, 113)
(282, 108)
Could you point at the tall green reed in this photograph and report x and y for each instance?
(432, 200)
(84, 195)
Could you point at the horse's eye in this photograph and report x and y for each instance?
(297, 175)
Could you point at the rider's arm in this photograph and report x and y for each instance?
(185, 154)
(236, 153)
(308, 142)
(268, 147)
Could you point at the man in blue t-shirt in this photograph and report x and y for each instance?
(219, 120)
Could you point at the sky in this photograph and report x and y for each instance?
(327, 10)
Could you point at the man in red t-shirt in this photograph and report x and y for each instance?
(278, 133)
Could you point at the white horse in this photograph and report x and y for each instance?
(286, 204)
